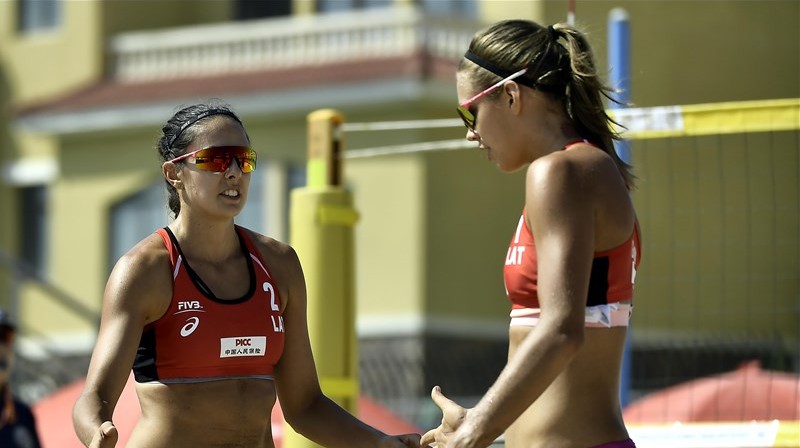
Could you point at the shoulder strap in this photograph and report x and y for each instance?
(255, 254)
(166, 237)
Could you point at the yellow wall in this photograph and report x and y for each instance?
(491, 11)
(472, 211)
(42, 65)
(139, 15)
(75, 50)
(390, 257)
(704, 51)
(94, 174)
(15, 148)
(389, 194)
(687, 52)
(79, 229)
(303, 7)
(31, 146)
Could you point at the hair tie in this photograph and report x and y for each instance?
(554, 34)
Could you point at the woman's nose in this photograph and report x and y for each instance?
(234, 170)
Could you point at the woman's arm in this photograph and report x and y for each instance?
(137, 292)
(305, 407)
(561, 217)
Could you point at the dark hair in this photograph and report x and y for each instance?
(179, 132)
(566, 71)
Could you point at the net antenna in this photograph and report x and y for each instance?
(571, 12)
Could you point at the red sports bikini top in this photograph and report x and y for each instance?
(612, 276)
(203, 338)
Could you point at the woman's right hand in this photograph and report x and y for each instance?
(452, 417)
(105, 436)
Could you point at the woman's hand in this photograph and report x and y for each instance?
(401, 441)
(105, 436)
(453, 416)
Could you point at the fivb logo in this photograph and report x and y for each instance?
(189, 305)
(242, 346)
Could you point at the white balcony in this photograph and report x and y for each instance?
(239, 47)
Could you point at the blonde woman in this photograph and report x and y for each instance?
(531, 99)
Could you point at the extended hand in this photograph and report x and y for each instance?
(105, 436)
(452, 417)
(402, 441)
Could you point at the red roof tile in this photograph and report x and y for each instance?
(107, 93)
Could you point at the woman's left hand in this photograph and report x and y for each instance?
(401, 441)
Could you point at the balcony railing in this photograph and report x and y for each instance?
(281, 43)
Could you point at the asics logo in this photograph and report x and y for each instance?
(191, 325)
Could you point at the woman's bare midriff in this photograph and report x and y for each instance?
(581, 407)
(228, 413)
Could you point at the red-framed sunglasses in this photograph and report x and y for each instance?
(463, 109)
(218, 158)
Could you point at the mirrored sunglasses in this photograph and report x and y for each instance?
(218, 158)
(463, 109)
(467, 116)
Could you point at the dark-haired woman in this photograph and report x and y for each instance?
(531, 98)
(210, 316)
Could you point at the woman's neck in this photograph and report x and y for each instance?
(204, 239)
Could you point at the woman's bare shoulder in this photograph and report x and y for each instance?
(148, 257)
(142, 279)
(272, 249)
(582, 166)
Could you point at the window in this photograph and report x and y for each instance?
(33, 227)
(256, 9)
(252, 215)
(451, 8)
(295, 178)
(135, 217)
(347, 5)
(38, 15)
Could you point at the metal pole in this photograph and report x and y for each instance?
(322, 224)
(619, 77)
(571, 13)
(619, 63)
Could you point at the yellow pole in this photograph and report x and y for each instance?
(321, 227)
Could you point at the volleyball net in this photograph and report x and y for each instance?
(715, 351)
(715, 339)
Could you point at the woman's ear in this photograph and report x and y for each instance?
(513, 96)
(172, 174)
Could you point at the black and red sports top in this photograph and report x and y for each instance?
(611, 280)
(202, 338)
